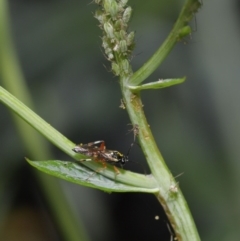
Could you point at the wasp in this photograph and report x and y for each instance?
(98, 152)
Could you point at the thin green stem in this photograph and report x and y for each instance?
(64, 144)
(176, 208)
(169, 195)
(179, 31)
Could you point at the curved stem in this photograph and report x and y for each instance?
(179, 31)
(169, 195)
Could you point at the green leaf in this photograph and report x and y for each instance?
(161, 83)
(129, 181)
(79, 174)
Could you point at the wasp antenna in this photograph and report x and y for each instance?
(130, 149)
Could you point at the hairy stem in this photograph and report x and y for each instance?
(169, 195)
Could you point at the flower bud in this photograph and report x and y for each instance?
(130, 38)
(123, 46)
(100, 16)
(122, 3)
(127, 15)
(109, 30)
(111, 7)
(125, 66)
(115, 68)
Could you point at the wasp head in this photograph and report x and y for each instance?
(122, 159)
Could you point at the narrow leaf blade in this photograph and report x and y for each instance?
(79, 174)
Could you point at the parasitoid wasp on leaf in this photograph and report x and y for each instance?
(97, 151)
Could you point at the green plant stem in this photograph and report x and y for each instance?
(13, 80)
(176, 208)
(174, 204)
(132, 179)
(179, 31)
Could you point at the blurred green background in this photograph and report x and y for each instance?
(196, 124)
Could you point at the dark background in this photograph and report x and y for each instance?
(196, 124)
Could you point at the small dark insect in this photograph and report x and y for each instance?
(98, 152)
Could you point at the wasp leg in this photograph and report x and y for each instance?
(116, 170)
(98, 170)
(94, 173)
(91, 175)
